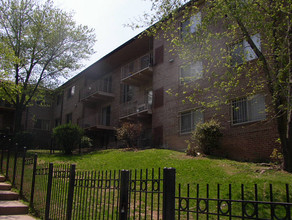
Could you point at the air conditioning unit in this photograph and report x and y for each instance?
(141, 107)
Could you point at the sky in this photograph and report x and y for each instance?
(108, 18)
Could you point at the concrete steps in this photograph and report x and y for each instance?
(13, 208)
(10, 207)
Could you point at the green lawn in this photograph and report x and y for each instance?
(189, 169)
(192, 171)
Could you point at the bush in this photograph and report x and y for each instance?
(129, 132)
(192, 150)
(205, 137)
(68, 136)
(86, 142)
(23, 139)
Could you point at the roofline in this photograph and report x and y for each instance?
(130, 41)
(107, 55)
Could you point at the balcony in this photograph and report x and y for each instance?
(99, 90)
(135, 109)
(138, 72)
(94, 122)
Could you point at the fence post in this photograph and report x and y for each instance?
(2, 157)
(7, 164)
(71, 191)
(35, 160)
(124, 195)
(168, 194)
(22, 170)
(49, 189)
(14, 168)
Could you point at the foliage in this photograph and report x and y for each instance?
(45, 43)
(129, 132)
(277, 157)
(68, 136)
(23, 139)
(192, 150)
(206, 137)
(86, 142)
(219, 41)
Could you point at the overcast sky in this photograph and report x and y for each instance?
(108, 18)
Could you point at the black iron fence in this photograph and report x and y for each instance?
(59, 191)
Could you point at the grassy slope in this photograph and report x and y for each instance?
(189, 170)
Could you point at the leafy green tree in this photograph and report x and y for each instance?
(68, 136)
(224, 28)
(46, 44)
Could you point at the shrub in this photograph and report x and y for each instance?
(192, 150)
(129, 132)
(206, 137)
(277, 157)
(68, 136)
(86, 142)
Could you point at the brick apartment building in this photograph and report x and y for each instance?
(130, 84)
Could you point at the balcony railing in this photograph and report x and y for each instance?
(98, 90)
(138, 71)
(134, 109)
(94, 122)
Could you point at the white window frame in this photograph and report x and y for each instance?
(192, 24)
(253, 109)
(196, 72)
(194, 121)
(243, 50)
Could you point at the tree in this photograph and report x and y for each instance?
(244, 21)
(46, 43)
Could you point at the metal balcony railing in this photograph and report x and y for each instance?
(135, 108)
(94, 121)
(139, 69)
(99, 88)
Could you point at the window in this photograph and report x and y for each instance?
(191, 25)
(106, 85)
(57, 122)
(248, 109)
(59, 99)
(148, 97)
(69, 118)
(128, 69)
(42, 124)
(191, 72)
(145, 61)
(106, 116)
(242, 51)
(126, 93)
(71, 91)
(189, 120)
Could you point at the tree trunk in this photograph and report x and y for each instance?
(288, 148)
(17, 119)
(286, 141)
